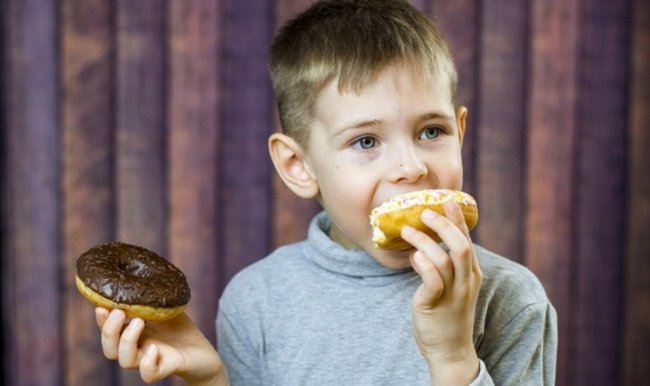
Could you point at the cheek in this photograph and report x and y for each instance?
(449, 173)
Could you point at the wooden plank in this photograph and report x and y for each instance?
(459, 22)
(140, 143)
(636, 325)
(600, 183)
(502, 127)
(193, 133)
(140, 153)
(549, 234)
(246, 109)
(30, 263)
(87, 162)
(291, 214)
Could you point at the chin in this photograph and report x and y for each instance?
(392, 259)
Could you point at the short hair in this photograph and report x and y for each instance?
(352, 41)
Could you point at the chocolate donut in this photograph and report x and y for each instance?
(388, 219)
(132, 278)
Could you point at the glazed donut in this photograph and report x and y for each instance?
(134, 279)
(388, 219)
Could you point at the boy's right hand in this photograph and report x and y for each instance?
(160, 349)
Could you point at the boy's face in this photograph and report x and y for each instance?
(399, 134)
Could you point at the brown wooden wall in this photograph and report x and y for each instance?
(146, 121)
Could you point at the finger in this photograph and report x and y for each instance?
(422, 242)
(110, 333)
(432, 287)
(128, 346)
(452, 235)
(150, 370)
(461, 249)
(101, 314)
(455, 214)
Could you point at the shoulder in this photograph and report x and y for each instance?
(505, 278)
(510, 291)
(516, 325)
(264, 277)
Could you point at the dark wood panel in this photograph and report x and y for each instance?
(30, 193)
(87, 162)
(636, 327)
(140, 130)
(459, 21)
(193, 135)
(551, 144)
(501, 147)
(600, 184)
(246, 113)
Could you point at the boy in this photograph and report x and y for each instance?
(365, 91)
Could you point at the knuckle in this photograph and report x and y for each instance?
(124, 363)
(106, 334)
(148, 376)
(109, 354)
(444, 225)
(478, 275)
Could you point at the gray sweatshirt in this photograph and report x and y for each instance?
(315, 313)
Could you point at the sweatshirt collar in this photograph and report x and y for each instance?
(354, 263)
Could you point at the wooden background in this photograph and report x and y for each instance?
(146, 121)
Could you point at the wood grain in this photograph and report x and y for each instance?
(140, 131)
(246, 112)
(87, 174)
(192, 150)
(599, 211)
(501, 137)
(30, 215)
(552, 101)
(636, 314)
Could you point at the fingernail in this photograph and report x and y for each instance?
(115, 315)
(136, 323)
(428, 214)
(407, 230)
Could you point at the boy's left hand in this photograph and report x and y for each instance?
(443, 306)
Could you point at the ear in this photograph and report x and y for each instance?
(289, 160)
(461, 117)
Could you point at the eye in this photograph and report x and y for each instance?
(365, 143)
(430, 133)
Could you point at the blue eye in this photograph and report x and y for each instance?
(430, 133)
(366, 142)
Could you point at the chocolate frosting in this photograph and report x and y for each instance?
(130, 274)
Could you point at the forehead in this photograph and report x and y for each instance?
(395, 90)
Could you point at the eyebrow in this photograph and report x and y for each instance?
(364, 123)
(438, 116)
(358, 124)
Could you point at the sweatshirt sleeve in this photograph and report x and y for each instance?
(235, 344)
(523, 351)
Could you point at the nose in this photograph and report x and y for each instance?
(407, 165)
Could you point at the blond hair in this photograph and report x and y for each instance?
(352, 41)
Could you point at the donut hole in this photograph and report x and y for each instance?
(133, 268)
